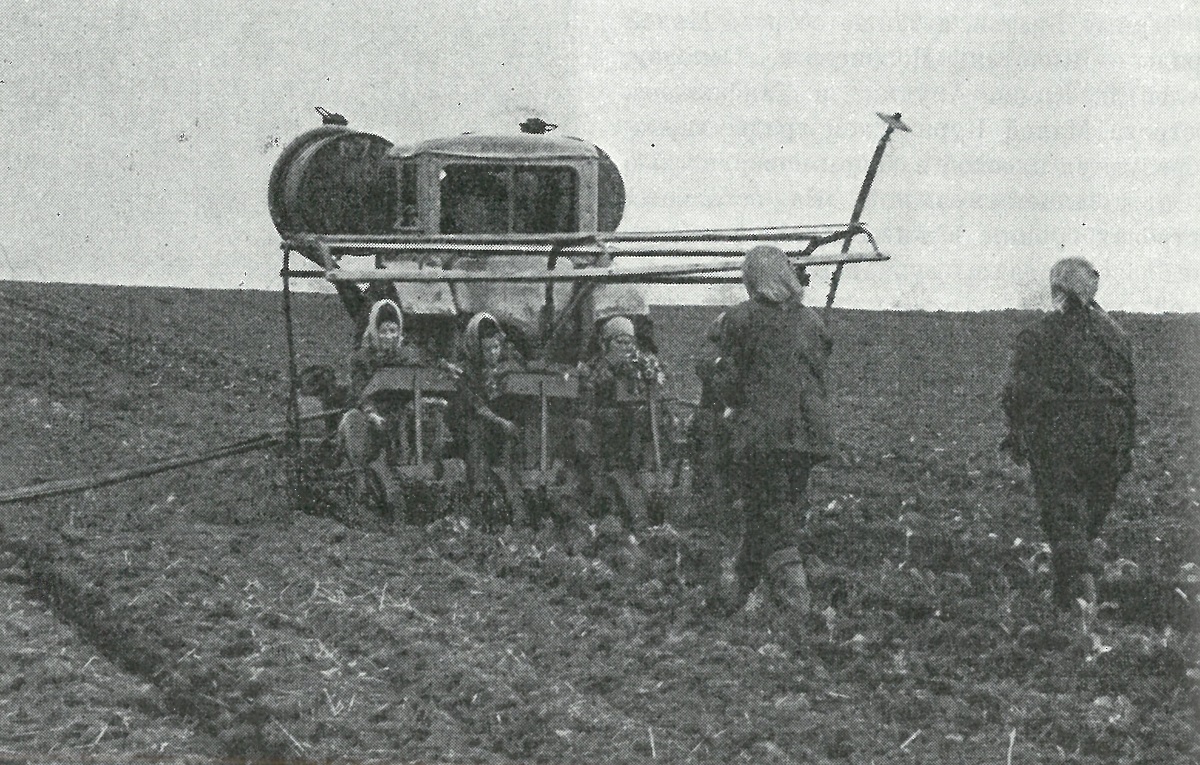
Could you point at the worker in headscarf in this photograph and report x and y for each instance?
(1070, 406)
(780, 423)
(383, 344)
(372, 426)
(486, 431)
(484, 353)
(619, 365)
(629, 300)
(613, 429)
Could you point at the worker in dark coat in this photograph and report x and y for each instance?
(485, 354)
(1070, 406)
(485, 422)
(780, 422)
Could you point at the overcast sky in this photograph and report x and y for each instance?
(137, 138)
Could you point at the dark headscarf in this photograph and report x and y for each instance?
(470, 349)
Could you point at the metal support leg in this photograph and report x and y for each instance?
(295, 473)
(543, 452)
(419, 419)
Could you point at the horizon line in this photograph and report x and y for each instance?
(279, 290)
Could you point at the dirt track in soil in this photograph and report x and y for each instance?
(240, 631)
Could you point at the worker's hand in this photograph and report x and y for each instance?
(374, 416)
(453, 369)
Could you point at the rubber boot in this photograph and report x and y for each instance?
(789, 582)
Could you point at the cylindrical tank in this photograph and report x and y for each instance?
(611, 193)
(332, 180)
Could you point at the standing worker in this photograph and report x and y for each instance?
(780, 422)
(1070, 406)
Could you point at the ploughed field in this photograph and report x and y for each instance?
(194, 617)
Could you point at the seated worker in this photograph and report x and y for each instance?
(365, 431)
(610, 434)
(611, 300)
(484, 436)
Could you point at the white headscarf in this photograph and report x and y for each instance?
(769, 276)
(617, 326)
(1076, 276)
(370, 338)
(469, 350)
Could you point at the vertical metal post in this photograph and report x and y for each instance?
(548, 305)
(653, 407)
(543, 453)
(418, 417)
(893, 123)
(292, 440)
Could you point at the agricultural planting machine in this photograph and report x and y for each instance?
(524, 227)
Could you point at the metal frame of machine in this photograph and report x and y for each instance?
(416, 253)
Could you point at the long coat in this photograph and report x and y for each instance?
(775, 382)
(1069, 398)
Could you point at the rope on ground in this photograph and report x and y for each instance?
(76, 485)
